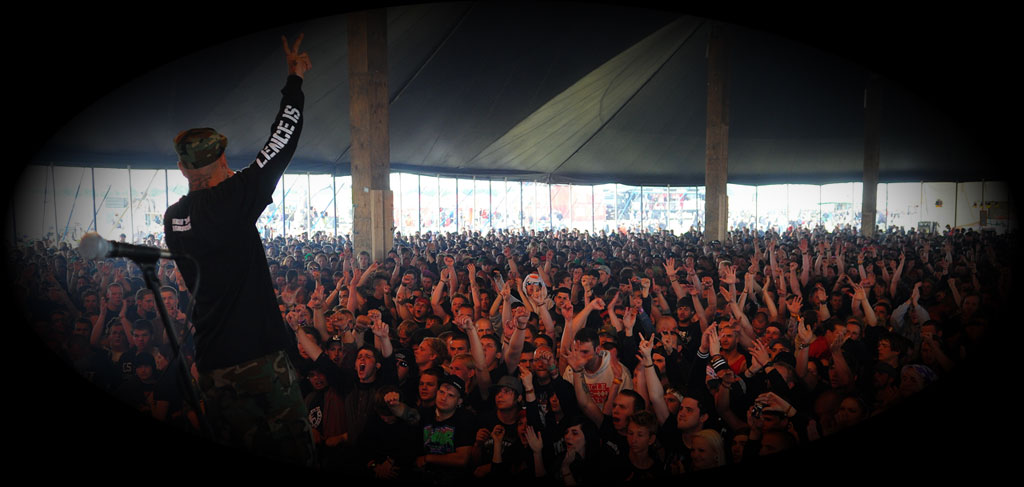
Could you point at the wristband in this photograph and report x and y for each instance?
(576, 371)
(719, 363)
(648, 366)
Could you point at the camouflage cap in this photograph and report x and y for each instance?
(199, 147)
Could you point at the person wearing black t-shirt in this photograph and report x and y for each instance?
(506, 395)
(137, 391)
(640, 464)
(448, 434)
(388, 444)
(240, 338)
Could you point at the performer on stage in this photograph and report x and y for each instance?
(249, 385)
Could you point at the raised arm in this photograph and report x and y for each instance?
(298, 62)
(396, 274)
(886, 277)
(819, 261)
(576, 362)
(757, 257)
(955, 292)
(476, 348)
(474, 290)
(381, 333)
(771, 258)
(435, 298)
(822, 304)
(404, 303)
(498, 302)
(899, 319)
(540, 307)
(655, 391)
(364, 278)
(514, 349)
(660, 305)
(307, 343)
(512, 265)
(96, 337)
(333, 296)
(794, 283)
(698, 308)
(793, 308)
(353, 290)
(453, 277)
(577, 285)
(712, 301)
(860, 265)
(505, 296)
(580, 319)
(896, 275)
(840, 259)
(781, 284)
(746, 330)
(536, 443)
(861, 304)
(804, 337)
(750, 289)
(673, 278)
(612, 317)
(805, 255)
(400, 410)
(545, 270)
(124, 318)
(316, 303)
(839, 365)
(773, 311)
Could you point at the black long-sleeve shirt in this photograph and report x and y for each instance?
(236, 315)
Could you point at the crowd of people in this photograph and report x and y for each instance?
(560, 357)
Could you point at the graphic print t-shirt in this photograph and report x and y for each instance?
(443, 437)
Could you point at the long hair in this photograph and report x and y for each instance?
(716, 443)
(591, 435)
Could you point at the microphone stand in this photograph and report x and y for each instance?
(148, 268)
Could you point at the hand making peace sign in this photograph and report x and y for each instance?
(298, 63)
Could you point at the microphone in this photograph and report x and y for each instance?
(94, 247)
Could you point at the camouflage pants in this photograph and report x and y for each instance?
(257, 406)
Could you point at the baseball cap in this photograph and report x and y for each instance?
(199, 147)
(455, 382)
(145, 358)
(511, 382)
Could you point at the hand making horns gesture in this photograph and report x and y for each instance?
(298, 63)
